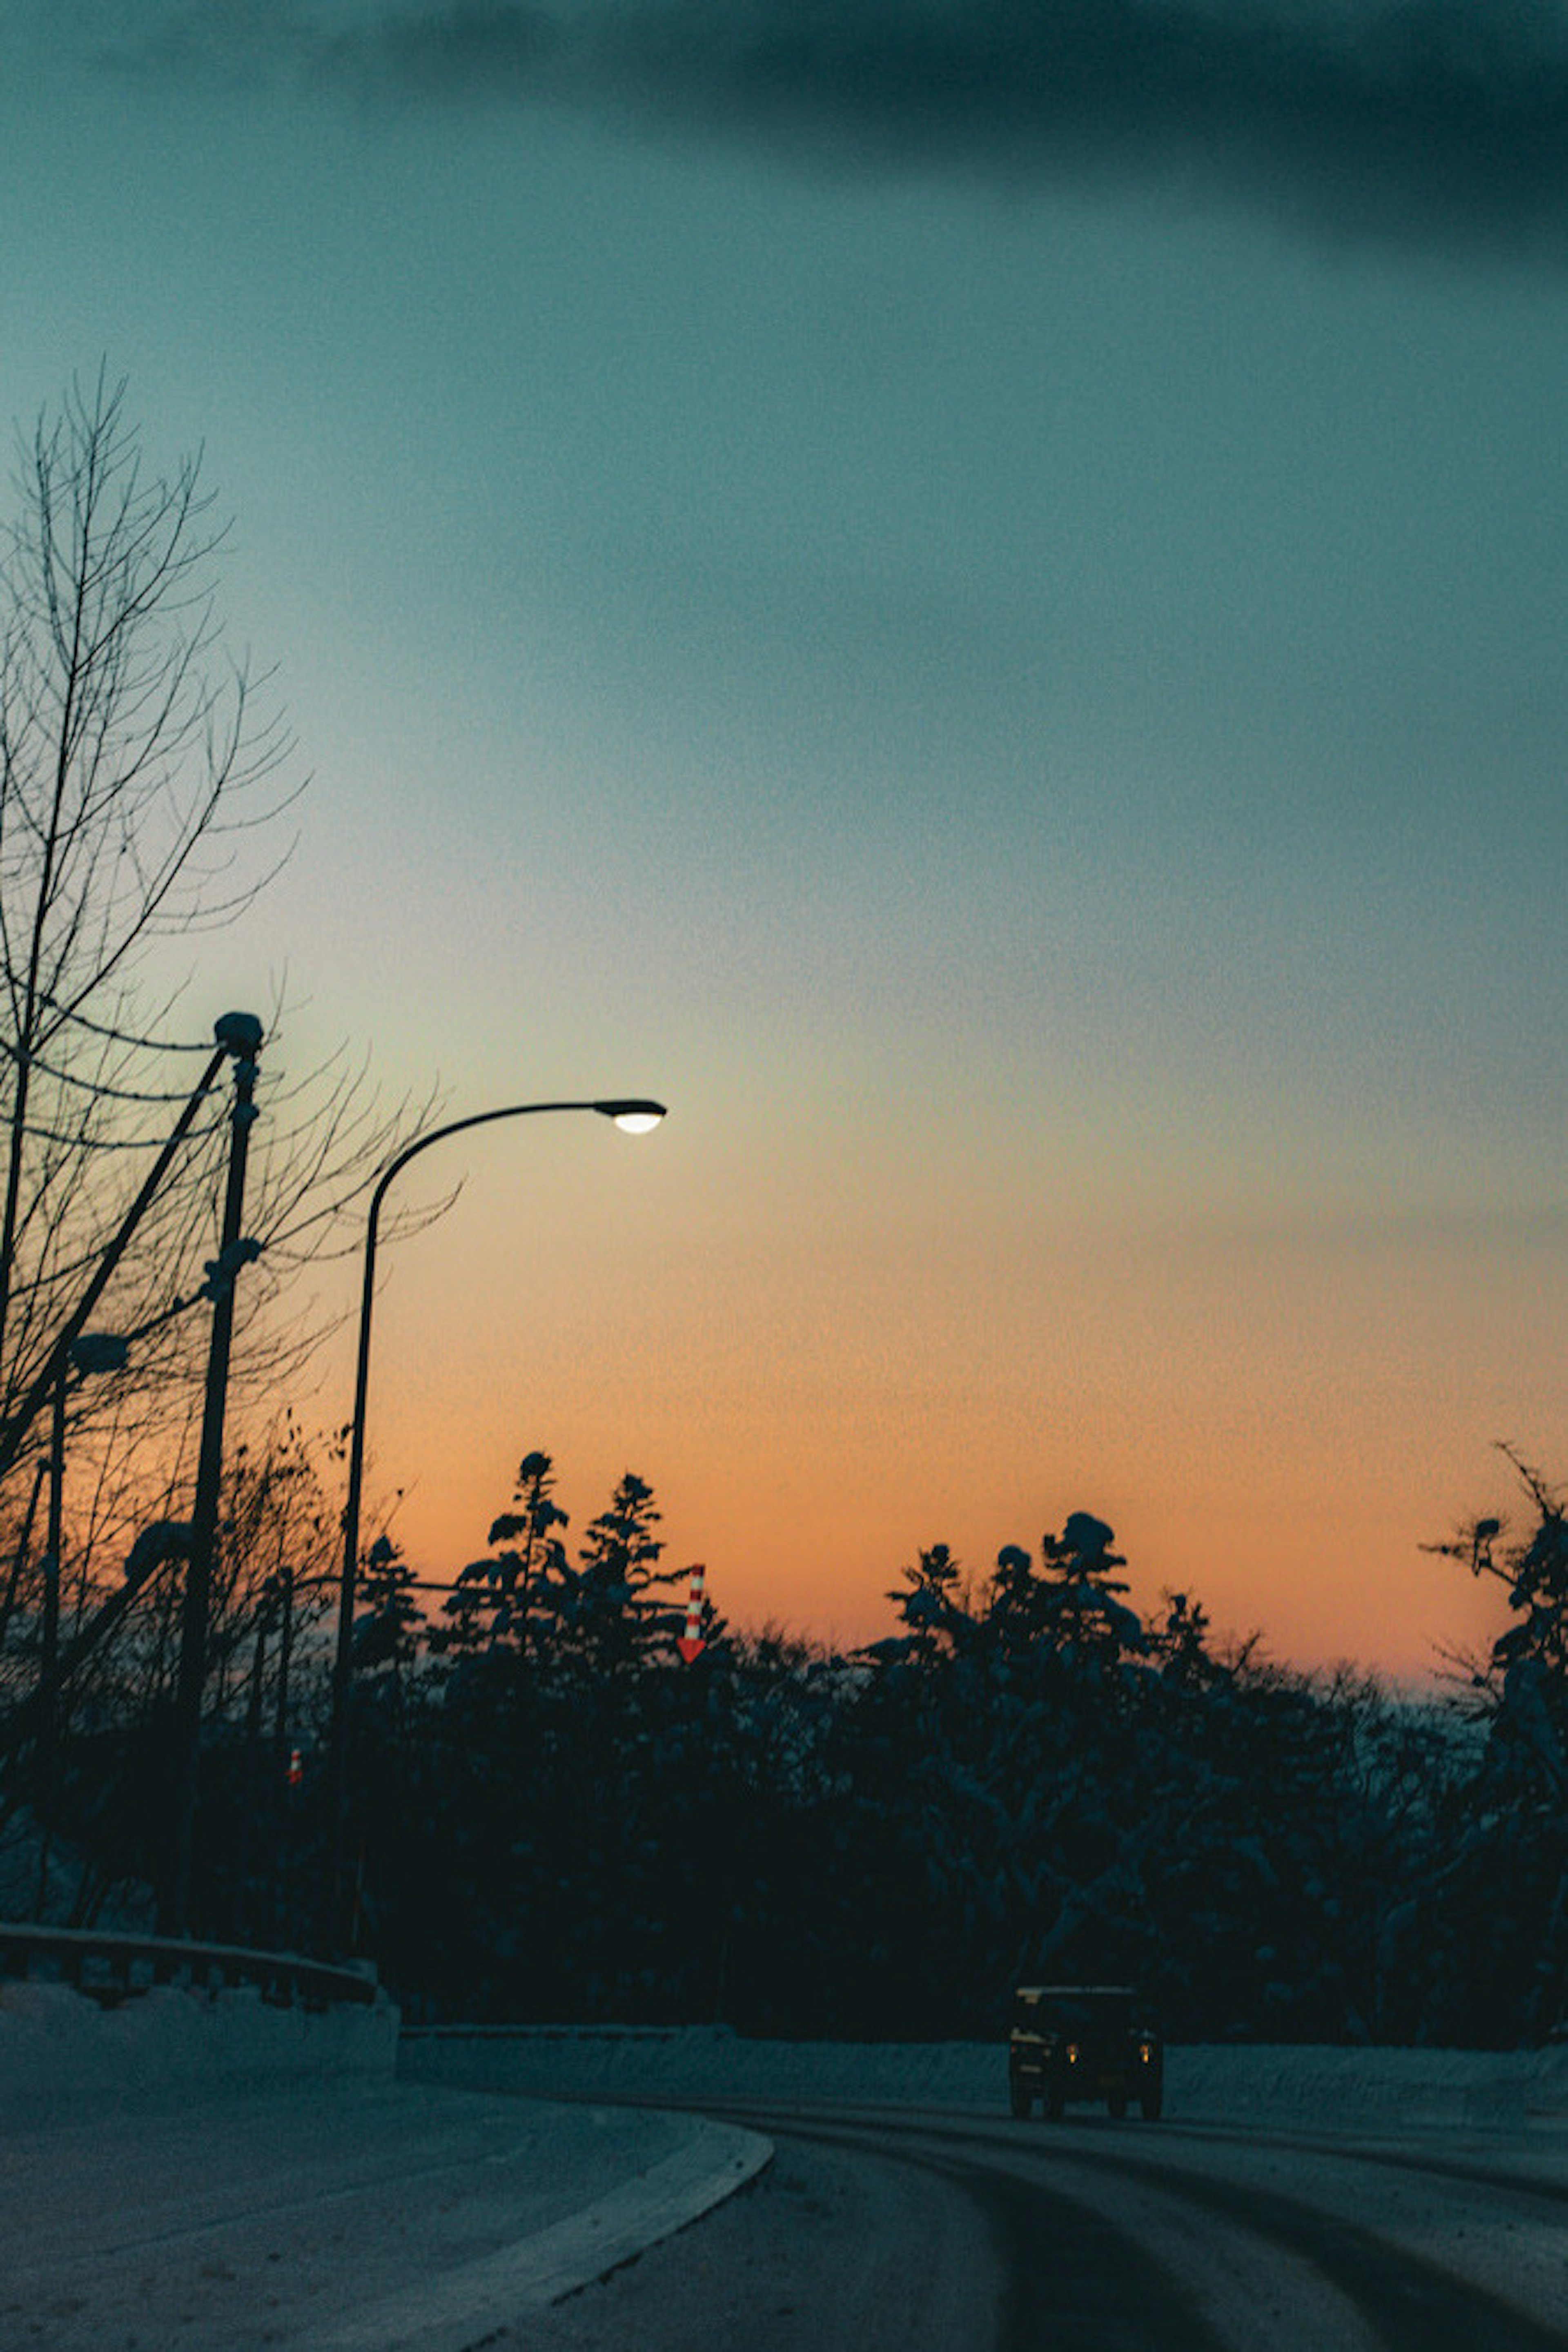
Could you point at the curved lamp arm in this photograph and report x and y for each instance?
(634, 1115)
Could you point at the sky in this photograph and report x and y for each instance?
(972, 596)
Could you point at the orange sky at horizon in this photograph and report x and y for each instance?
(1274, 1421)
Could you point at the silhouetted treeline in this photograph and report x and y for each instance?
(553, 1817)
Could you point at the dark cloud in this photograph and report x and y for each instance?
(1433, 117)
(1437, 119)
(475, 48)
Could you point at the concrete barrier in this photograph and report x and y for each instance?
(1309, 2086)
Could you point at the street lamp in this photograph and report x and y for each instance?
(634, 1115)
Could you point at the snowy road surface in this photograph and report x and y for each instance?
(959, 2232)
(355, 2219)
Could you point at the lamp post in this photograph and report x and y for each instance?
(634, 1115)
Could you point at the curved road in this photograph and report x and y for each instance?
(955, 2230)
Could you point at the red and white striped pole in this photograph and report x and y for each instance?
(692, 1645)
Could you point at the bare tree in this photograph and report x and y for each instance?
(143, 770)
(130, 757)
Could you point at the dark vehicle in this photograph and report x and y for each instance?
(1084, 2042)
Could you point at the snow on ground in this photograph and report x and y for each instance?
(61, 2052)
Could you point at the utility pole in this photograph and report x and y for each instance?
(238, 1033)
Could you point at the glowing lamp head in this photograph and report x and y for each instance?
(634, 1116)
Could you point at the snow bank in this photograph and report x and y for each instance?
(1405, 2089)
(61, 2051)
(1316, 2087)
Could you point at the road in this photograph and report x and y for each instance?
(956, 2231)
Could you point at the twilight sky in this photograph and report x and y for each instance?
(972, 595)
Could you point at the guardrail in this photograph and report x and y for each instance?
(111, 1967)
